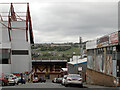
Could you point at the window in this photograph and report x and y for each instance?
(4, 56)
(19, 52)
(4, 61)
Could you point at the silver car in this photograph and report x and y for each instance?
(73, 79)
(12, 79)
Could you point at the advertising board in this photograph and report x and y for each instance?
(91, 44)
(103, 41)
(114, 38)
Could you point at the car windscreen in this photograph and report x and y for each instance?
(60, 78)
(74, 76)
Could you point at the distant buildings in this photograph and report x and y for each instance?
(62, 45)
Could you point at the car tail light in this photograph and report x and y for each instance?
(80, 79)
(69, 79)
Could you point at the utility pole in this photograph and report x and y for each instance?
(80, 46)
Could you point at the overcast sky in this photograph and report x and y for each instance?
(65, 20)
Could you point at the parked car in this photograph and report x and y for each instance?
(3, 81)
(42, 80)
(35, 80)
(21, 80)
(54, 80)
(63, 79)
(12, 79)
(73, 79)
(59, 80)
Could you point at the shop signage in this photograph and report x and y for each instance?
(79, 69)
(114, 38)
(103, 41)
(91, 44)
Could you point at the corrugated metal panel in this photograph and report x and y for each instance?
(114, 68)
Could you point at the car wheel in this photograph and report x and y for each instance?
(7, 84)
(81, 85)
(66, 85)
(3, 84)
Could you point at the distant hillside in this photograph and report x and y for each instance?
(54, 51)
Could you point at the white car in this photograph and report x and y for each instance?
(73, 79)
(54, 80)
(12, 79)
(63, 80)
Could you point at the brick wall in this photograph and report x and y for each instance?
(98, 78)
(52, 76)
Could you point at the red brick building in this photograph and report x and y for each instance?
(48, 68)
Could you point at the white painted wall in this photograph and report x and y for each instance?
(18, 24)
(19, 45)
(4, 44)
(0, 33)
(20, 63)
(5, 33)
(5, 69)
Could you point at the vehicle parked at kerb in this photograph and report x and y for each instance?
(54, 80)
(3, 81)
(12, 79)
(35, 80)
(63, 79)
(42, 80)
(21, 80)
(73, 79)
(59, 80)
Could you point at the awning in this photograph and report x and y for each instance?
(64, 69)
(80, 61)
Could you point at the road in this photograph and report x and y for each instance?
(51, 85)
(48, 84)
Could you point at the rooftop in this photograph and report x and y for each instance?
(49, 60)
(78, 61)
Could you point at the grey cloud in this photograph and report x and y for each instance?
(66, 21)
(69, 20)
